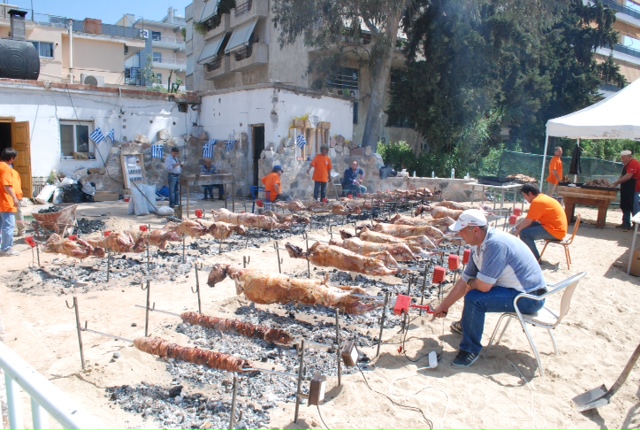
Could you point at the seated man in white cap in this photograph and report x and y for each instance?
(500, 268)
(629, 188)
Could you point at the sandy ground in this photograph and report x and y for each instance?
(502, 390)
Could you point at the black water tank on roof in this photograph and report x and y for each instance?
(18, 60)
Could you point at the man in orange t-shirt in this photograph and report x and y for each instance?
(273, 185)
(555, 172)
(322, 167)
(8, 201)
(546, 219)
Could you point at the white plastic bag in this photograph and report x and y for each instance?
(45, 194)
(57, 196)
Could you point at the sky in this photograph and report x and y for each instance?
(109, 11)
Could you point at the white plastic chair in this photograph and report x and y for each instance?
(545, 317)
(336, 183)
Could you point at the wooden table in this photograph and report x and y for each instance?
(601, 199)
(219, 178)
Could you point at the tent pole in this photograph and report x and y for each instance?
(575, 177)
(544, 159)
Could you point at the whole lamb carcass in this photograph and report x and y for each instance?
(399, 251)
(78, 248)
(222, 230)
(190, 228)
(267, 288)
(249, 220)
(342, 259)
(419, 245)
(400, 230)
(160, 238)
(443, 212)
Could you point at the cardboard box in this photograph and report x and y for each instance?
(105, 196)
(635, 263)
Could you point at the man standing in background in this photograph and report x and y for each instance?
(174, 170)
(322, 168)
(8, 201)
(555, 172)
(629, 187)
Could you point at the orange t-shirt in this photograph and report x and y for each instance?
(270, 181)
(549, 213)
(6, 178)
(322, 166)
(555, 164)
(17, 184)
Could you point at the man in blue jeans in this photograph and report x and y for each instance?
(174, 170)
(500, 268)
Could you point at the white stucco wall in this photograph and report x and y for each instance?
(128, 115)
(227, 115)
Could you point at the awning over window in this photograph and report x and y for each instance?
(210, 50)
(210, 9)
(240, 36)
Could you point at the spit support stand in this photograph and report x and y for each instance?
(78, 326)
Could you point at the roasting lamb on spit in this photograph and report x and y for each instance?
(441, 224)
(73, 248)
(342, 259)
(222, 230)
(419, 245)
(400, 230)
(267, 288)
(399, 251)
(242, 328)
(249, 220)
(214, 360)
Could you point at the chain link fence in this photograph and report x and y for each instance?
(512, 163)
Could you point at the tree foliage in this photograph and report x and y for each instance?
(495, 64)
(366, 30)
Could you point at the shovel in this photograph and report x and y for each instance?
(600, 396)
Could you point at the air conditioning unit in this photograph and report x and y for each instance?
(95, 80)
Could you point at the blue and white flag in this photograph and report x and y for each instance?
(97, 135)
(207, 149)
(112, 135)
(157, 151)
(301, 141)
(231, 144)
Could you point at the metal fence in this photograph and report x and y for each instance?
(512, 162)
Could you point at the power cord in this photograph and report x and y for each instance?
(322, 419)
(410, 408)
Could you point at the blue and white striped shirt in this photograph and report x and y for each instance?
(505, 261)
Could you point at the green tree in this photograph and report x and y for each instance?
(341, 29)
(495, 64)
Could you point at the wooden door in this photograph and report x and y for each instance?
(20, 142)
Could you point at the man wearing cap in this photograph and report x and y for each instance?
(546, 219)
(501, 267)
(629, 188)
(273, 185)
(321, 168)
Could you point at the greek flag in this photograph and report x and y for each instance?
(300, 141)
(157, 151)
(112, 135)
(207, 149)
(97, 135)
(231, 144)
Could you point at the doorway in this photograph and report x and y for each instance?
(257, 135)
(16, 135)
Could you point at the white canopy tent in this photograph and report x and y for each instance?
(615, 117)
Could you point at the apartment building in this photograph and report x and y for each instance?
(164, 50)
(87, 51)
(237, 50)
(626, 53)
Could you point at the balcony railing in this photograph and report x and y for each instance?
(621, 8)
(243, 53)
(243, 8)
(627, 50)
(215, 64)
